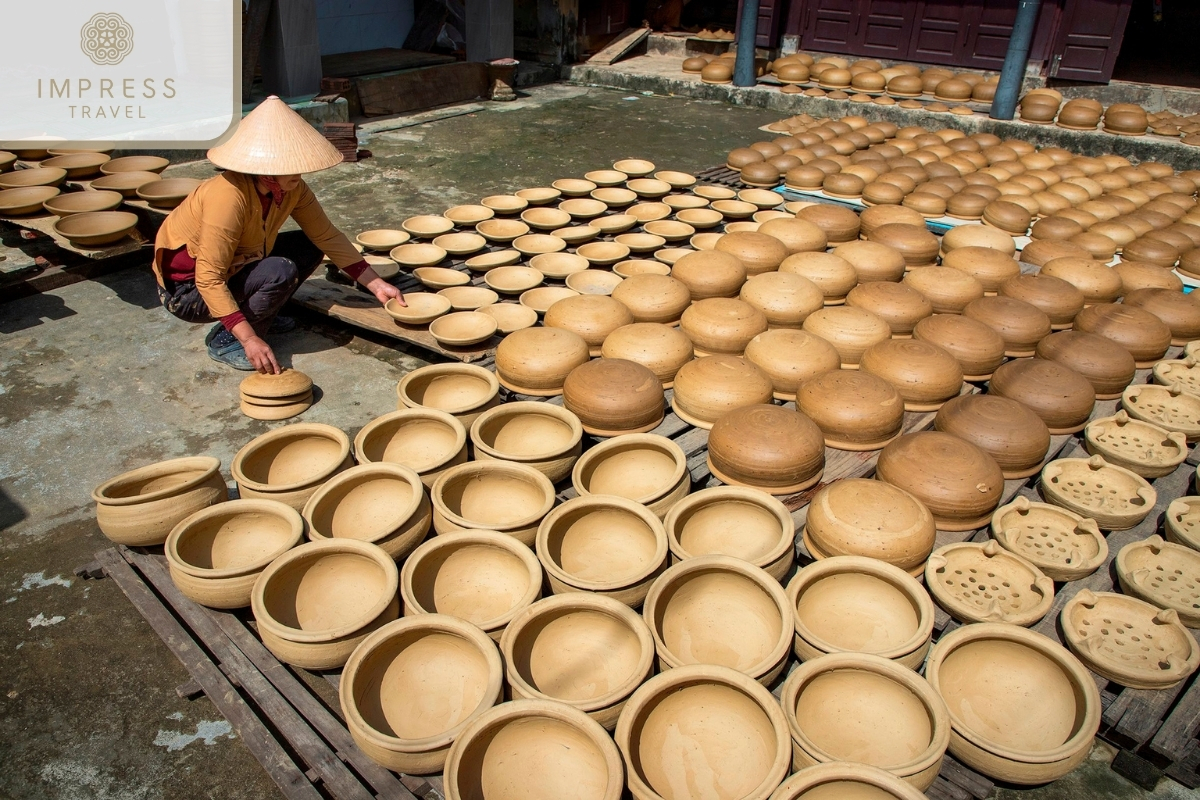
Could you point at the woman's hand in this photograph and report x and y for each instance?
(384, 292)
(260, 355)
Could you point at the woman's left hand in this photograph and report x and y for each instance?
(384, 292)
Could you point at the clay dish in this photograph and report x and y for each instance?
(440, 277)
(669, 230)
(900, 306)
(1180, 312)
(1184, 372)
(714, 192)
(512, 204)
(40, 176)
(1007, 430)
(423, 439)
(644, 266)
(502, 496)
(421, 308)
(427, 226)
(699, 217)
(649, 187)
(606, 177)
(1163, 574)
(846, 779)
(648, 212)
(763, 198)
(614, 223)
(653, 298)
(1144, 335)
(546, 219)
(290, 463)
(26, 200)
(722, 326)
(77, 165)
(790, 358)
(871, 519)
(1062, 544)
(579, 208)
(986, 583)
(577, 234)
(317, 602)
(510, 317)
(469, 298)
(1116, 498)
(645, 468)
(733, 521)
(497, 258)
(502, 230)
(537, 196)
(605, 253)
(540, 749)
(590, 316)
(463, 390)
(481, 577)
(140, 507)
(469, 215)
(461, 243)
(707, 241)
(631, 242)
(574, 187)
(1022, 708)
(1020, 324)
(634, 167)
(615, 197)
(513, 280)
(918, 246)
(1138, 446)
(418, 255)
(1181, 522)
(1100, 628)
(1060, 300)
(833, 275)
(96, 228)
(64, 205)
(766, 447)
(855, 411)
(850, 330)
(151, 164)
(797, 235)
(855, 706)
(959, 483)
(1168, 407)
(462, 329)
(734, 209)
(1062, 397)
(708, 388)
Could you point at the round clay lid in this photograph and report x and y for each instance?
(1007, 430)
(978, 348)
(918, 246)
(898, 304)
(1144, 335)
(1060, 300)
(766, 447)
(287, 383)
(1058, 394)
(840, 224)
(855, 410)
(959, 483)
(861, 517)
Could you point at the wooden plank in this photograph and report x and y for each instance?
(383, 59)
(412, 90)
(975, 784)
(628, 40)
(1179, 729)
(1187, 769)
(279, 766)
(942, 789)
(44, 224)
(1145, 710)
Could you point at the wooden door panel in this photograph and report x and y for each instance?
(885, 28)
(770, 17)
(939, 31)
(1089, 39)
(829, 26)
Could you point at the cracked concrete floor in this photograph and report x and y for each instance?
(95, 379)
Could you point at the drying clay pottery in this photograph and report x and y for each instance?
(720, 611)
(1182, 522)
(425, 440)
(977, 347)
(758, 252)
(1128, 640)
(592, 317)
(1060, 300)
(420, 308)
(604, 545)
(766, 447)
(381, 503)
(1008, 431)
(1144, 335)
(707, 388)
(1107, 365)
(412, 687)
(141, 507)
(840, 224)
(990, 267)
(64, 205)
(850, 330)
(512, 280)
(868, 709)
(469, 298)
(462, 390)
(947, 290)
(536, 361)
(612, 396)
(844, 779)
(661, 348)
(832, 274)
(290, 463)
(653, 298)
(798, 235)
(732, 728)
(643, 467)
(860, 517)
(463, 329)
(96, 228)
(1168, 407)
(958, 482)
(541, 435)
(710, 273)
(440, 277)
(1062, 544)
(918, 246)
(216, 554)
(40, 176)
(1116, 498)
(1097, 282)
(790, 358)
(986, 583)
(855, 411)
(872, 261)
(25, 200)
(499, 496)
(1058, 394)
(533, 749)
(587, 651)
(924, 374)
(900, 306)
(1020, 324)
(1022, 709)
(721, 325)
(510, 317)
(541, 298)
(1183, 372)
(317, 602)
(786, 299)
(502, 230)
(733, 521)
(1163, 574)
(1180, 312)
(1138, 446)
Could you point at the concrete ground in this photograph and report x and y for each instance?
(96, 379)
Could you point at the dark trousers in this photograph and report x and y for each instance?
(260, 288)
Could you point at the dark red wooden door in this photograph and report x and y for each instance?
(829, 25)
(940, 31)
(1089, 39)
(885, 27)
(770, 19)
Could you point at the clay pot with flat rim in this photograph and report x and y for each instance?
(463, 390)
(423, 439)
(990, 267)
(959, 483)
(733, 521)
(1019, 324)
(590, 316)
(832, 274)
(612, 396)
(977, 347)
(1007, 430)
(897, 304)
(850, 330)
(541, 435)
(710, 273)
(381, 503)
(653, 298)
(536, 361)
(1144, 335)
(1180, 312)
(845, 778)
(709, 387)
(856, 411)
(663, 349)
(1105, 364)
(500, 496)
(722, 326)
(758, 252)
(141, 507)
(786, 299)
(1060, 300)
(290, 463)
(872, 519)
(1058, 394)
(766, 447)
(947, 290)
(790, 358)
(925, 375)
(643, 467)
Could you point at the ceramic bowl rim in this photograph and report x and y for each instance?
(488, 376)
(232, 508)
(521, 407)
(208, 465)
(719, 495)
(297, 430)
(371, 469)
(592, 503)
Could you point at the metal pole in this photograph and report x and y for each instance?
(1004, 104)
(743, 68)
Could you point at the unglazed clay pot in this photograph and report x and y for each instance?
(423, 439)
(733, 521)
(1146, 570)
(1058, 394)
(1019, 324)
(548, 644)
(653, 298)
(384, 504)
(661, 348)
(1180, 312)
(1144, 335)
(766, 447)
(544, 436)
(1097, 282)
(612, 396)
(786, 299)
(900, 306)
(590, 316)
(1022, 709)
(499, 496)
(601, 544)
(872, 261)
(1060, 300)
(535, 749)
(141, 507)
(290, 463)
(646, 468)
(413, 686)
(947, 290)
(1116, 498)
(317, 602)
(1107, 365)
(708, 388)
(1062, 544)
(855, 410)
(977, 347)
(1146, 276)
(791, 358)
(832, 274)
(536, 361)
(710, 273)
(722, 326)
(1136, 445)
(924, 374)
(733, 726)
(798, 235)
(720, 611)
(866, 708)
(839, 223)
(758, 252)
(1007, 430)
(845, 779)
(918, 246)
(959, 483)
(482, 577)
(464, 390)
(1168, 407)
(859, 517)
(1006, 588)
(990, 267)
(216, 554)
(860, 605)
(850, 330)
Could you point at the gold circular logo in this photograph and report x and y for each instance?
(106, 39)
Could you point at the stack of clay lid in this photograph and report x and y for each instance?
(274, 397)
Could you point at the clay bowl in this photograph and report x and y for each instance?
(64, 205)
(43, 176)
(290, 463)
(577, 234)
(501, 230)
(977, 348)
(512, 280)
(614, 223)
(722, 326)
(440, 277)
(1105, 364)
(606, 177)
(790, 358)
(850, 330)
(382, 239)
(733, 521)
(707, 388)
(421, 308)
(643, 467)
(141, 507)
(558, 265)
(602, 545)
(855, 411)
(584, 650)
(96, 228)
(710, 273)
(1022, 709)
(1020, 324)
(127, 183)
(766, 447)
(427, 226)
(735, 727)
(592, 317)
(866, 708)
(543, 436)
(424, 255)
(167, 193)
(925, 375)
(463, 328)
(847, 779)
(468, 216)
(463, 390)
(1058, 394)
(1007, 430)
(606, 253)
(545, 219)
(482, 577)
(381, 503)
(860, 605)
(488, 261)
(1144, 335)
(536, 196)
(414, 685)
(317, 602)
(26, 200)
(959, 483)
(720, 611)
(536, 361)
(78, 165)
(502, 496)
(594, 281)
(460, 243)
(423, 439)
(469, 298)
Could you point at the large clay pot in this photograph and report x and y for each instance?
(290, 463)
(1108, 366)
(924, 374)
(604, 545)
(422, 439)
(733, 521)
(464, 390)
(855, 410)
(535, 749)
(1144, 335)
(612, 396)
(766, 447)
(867, 708)
(661, 348)
(947, 290)
(645, 468)
(977, 347)
(832, 274)
(734, 726)
(499, 496)
(1058, 394)
(850, 330)
(860, 517)
(482, 577)
(590, 316)
(798, 235)
(708, 388)
(1022, 709)
(1005, 429)
(317, 602)
(585, 650)
(536, 361)
(959, 483)
(1060, 300)
(216, 554)
(1020, 324)
(710, 273)
(542, 435)
(140, 507)
(384, 504)
(758, 252)
(990, 267)
(722, 326)
(414, 685)
(790, 358)
(845, 779)
(653, 298)
(786, 299)
(1180, 312)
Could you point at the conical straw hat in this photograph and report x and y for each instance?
(274, 140)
